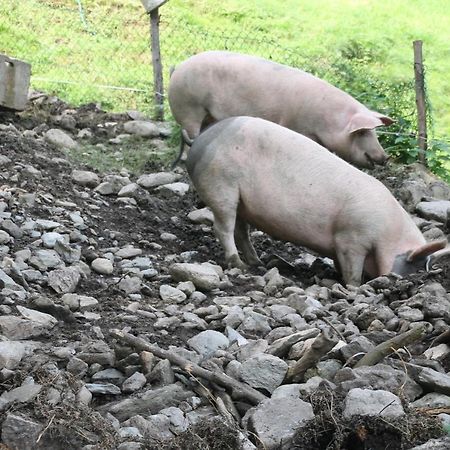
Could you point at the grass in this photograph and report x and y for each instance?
(107, 44)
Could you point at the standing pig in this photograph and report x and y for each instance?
(214, 85)
(252, 171)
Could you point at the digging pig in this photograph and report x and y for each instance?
(215, 85)
(252, 171)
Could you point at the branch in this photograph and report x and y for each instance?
(390, 346)
(239, 390)
(320, 347)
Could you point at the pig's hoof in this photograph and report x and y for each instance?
(235, 261)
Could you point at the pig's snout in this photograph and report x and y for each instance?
(380, 160)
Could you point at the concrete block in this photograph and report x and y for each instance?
(14, 82)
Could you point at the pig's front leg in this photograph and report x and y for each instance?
(351, 257)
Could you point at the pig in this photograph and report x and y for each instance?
(251, 171)
(215, 85)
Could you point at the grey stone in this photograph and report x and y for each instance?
(85, 178)
(20, 433)
(21, 394)
(69, 253)
(112, 184)
(162, 374)
(435, 444)
(366, 402)
(110, 375)
(263, 372)
(141, 128)
(45, 320)
(436, 210)
(360, 344)
(276, 420)
(128, 252)
(5, 238)
(13, 328)
(129, 433)
(152, 400)
(64, 280)
(130, 285)
(434, 380)
(79, 302)
(380, 376)
(171, 294)
(204, 215)
(11, 353)
(254, 324)
(153, 180)
(49, 239)
(60, 139)
(45, 259)
(274, 281)
(179, 189)
(7, 282)
(193, 321)
(432, 400)
(11, 228)
(77, 367)
(102, 266)
(287, 391)
(103, 389)
(313, 384)
(208, 342)
(84, 396)
(134, 383)
(203, 276)
(410, 314)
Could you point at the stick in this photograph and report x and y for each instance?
(420, 100)
(390, 346)
(320, 347)
(239, 390)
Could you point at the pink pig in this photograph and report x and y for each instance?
(214, 85)
(252, 171)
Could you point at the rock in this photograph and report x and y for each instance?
(141, 128)
(102, 266)
(134, 383)
(204, 215)
(152, 400)
(366, 402)
(128, 252)
(179, 189)
(380, 376)
(45, 259)
(436, 210)
(432, 400)
(60, 139)
(276, 420)
(359, 344)
(45, 320)
(203, 276)
(49, 239)
(208, 342)
(11, 228)
(103, 389)
(64, 280)
(435, 444)
(77, 367)
(153, 180)
(263, 372)
(21, 394)
(20, 433)
(15, 328)
(79, 302)
(434, 380)
(12, 352)
(112, 184)
(171, 294)
(110, 375)
(130, 285)
(254, 324)
(5, 237)
(7, 282)
(85, 178)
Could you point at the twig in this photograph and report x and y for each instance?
(390, 346)
(45, 429)
(239, 390)
(320, 347)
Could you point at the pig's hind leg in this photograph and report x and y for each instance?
(244, 244)
(225, 211)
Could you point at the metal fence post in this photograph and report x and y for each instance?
(420, 101)
(152, 8)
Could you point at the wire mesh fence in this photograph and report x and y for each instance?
(98, 51)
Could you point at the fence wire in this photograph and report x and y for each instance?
(98, 51)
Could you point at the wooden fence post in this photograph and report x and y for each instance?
(420, 101)
(152, 8)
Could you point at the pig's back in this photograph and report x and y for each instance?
(287, 182)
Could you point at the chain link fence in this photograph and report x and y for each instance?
(99, 51)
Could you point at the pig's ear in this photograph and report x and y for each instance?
(367, 121)
(386, 120)
(426, 250)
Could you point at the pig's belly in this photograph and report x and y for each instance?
(302, 224)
